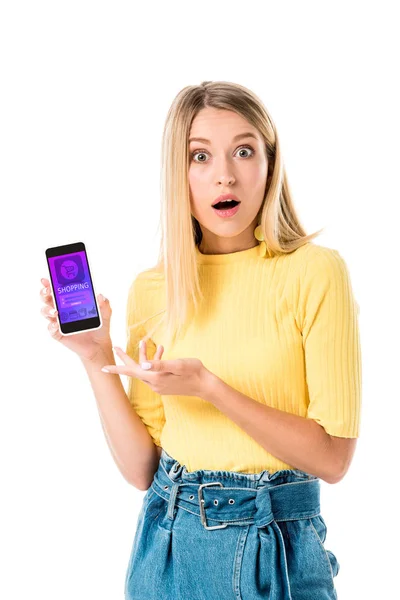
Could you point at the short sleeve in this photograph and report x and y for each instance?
(147, 403)
(327, 317)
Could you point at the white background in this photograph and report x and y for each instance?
(85, 89)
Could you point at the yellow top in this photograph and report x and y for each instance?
(283, 330)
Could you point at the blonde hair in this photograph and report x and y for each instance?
(180, 231)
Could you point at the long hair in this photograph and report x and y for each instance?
(180, 231)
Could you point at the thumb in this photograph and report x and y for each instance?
(105, 307)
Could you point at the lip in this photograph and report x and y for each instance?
(225, 197)
(230, 212)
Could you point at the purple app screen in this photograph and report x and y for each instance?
(72, 287)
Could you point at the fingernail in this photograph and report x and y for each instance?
(141, 344)
(145, 365)
(52, 311)
(105, 370)
(102, 298)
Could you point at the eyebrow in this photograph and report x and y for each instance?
(237, 137)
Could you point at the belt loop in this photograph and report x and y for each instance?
(171, 500)
(175, 470)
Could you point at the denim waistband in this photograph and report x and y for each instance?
(233, 498)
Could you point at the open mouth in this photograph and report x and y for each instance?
(225, 204)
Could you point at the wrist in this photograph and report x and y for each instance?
(103, 356)
(210, 384)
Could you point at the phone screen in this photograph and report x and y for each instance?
(72, 286)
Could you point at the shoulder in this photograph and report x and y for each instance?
(315, 259)
(320, 272)
(147, 281)
(311, 250)
(146, 295)
(324, 272)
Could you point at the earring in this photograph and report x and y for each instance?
(258, 234)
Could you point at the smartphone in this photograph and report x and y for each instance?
(72, 288)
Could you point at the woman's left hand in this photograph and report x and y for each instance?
(182, 376)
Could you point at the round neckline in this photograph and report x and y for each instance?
(231, 257)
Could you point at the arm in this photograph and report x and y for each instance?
(131, 446)
(295, 440)
(323, 443)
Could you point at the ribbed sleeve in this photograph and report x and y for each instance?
(147, 403)
(327, 316)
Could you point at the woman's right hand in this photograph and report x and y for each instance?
(87, 344)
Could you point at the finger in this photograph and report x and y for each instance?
(158, 353)
(129, 362)
(49, 312)
(130, 367)
(54, 331)
(46, 296)
(142, 350)
(138, 373)
(118, 370)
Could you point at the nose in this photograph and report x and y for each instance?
(226, 179)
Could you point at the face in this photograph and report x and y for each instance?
(225, 165)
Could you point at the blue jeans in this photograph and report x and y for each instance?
(225, 535)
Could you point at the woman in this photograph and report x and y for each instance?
(254, 388)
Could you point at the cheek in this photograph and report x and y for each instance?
(254, 180)
(257, 172)
(198, 190)
(196, 180)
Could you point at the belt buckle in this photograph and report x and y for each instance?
(201, 505)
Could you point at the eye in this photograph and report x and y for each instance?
(200, 152)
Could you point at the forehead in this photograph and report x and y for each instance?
(221, 125)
